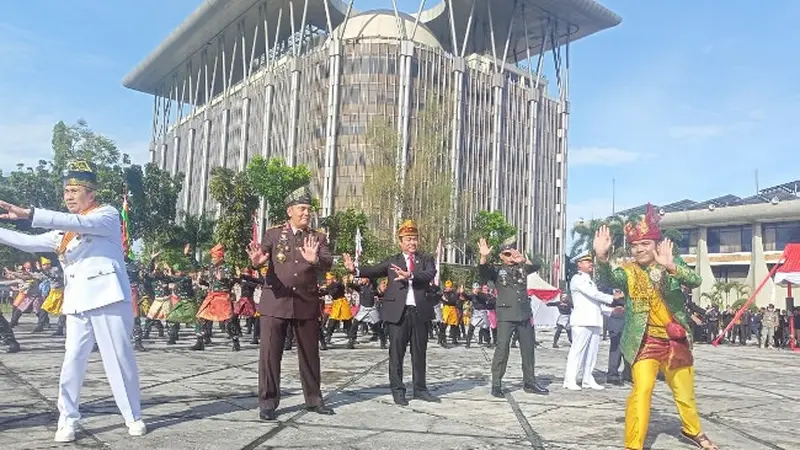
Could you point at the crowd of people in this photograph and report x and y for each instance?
(767, 327)
(103, 300)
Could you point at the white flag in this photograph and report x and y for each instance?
(439, 252)
(359, 248)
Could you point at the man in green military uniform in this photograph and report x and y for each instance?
(513, 312)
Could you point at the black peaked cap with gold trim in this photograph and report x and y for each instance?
(81, 173)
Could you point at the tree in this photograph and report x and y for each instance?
(195, 230)
(153, 197)
(274, 180)
(81, 142)
(238, 201)
(714, 297)
(459, 275)
(342, 227)
(425, 193)
(39, 186)
(491, 226)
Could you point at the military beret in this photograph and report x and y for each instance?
(300, 196)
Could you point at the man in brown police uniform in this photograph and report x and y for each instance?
(295, 255)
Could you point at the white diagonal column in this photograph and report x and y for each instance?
(332, 126)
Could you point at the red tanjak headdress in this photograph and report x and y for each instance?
(218, 251)
(647, 228)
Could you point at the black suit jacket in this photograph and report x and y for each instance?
(394, 299)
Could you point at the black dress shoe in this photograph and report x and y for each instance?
(614, 381)
(427, 397)
(267, 414)
(535, 389)
(400, 399)
(497, 391)
(321, 409)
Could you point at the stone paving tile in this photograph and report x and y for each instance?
(207, 400)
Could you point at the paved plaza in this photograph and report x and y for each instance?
(748, 400)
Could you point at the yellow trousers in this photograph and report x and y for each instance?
(637, 413)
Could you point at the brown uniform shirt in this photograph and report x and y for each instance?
(290, 288)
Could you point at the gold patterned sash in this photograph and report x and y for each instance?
(70, 235)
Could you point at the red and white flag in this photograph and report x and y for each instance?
(439, 253)
(256, 237)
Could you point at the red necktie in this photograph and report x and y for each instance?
(411, 263)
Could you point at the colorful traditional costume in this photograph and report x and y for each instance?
(218, 304)
(450, 299)
(656, 334)
(55, 293)
(340, 311)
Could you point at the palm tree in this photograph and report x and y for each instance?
(583, 235)
(714, 297)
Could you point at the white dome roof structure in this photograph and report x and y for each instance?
(382, 25)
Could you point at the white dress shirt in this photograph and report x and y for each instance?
(410, 300)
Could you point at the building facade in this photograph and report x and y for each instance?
(344, 92)
(734, 239)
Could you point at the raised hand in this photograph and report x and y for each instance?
(483, 248)
(310, 249)
(602, 242)
(664, 254)
(187, 249)
(516, 256)
(258, 257)
(14, 212)
(348, 262)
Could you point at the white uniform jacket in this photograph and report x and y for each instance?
(94, 265)
(587, 301)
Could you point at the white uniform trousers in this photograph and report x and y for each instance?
(110, 326)
(582, 355)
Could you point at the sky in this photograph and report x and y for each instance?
(684, 99)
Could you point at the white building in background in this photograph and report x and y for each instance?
(304, 79)
(736, 239)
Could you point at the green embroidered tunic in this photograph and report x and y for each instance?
(637, 310)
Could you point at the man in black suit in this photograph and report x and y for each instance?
(406, 309)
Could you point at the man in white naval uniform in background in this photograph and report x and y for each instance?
(587, 324)
(97, 293)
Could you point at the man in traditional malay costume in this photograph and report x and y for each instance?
(656, 334)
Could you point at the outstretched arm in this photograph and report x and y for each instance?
(101, 222)
(40, 243)
(583, 285)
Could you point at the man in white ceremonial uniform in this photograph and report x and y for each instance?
(587, 324)
(97, 293)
